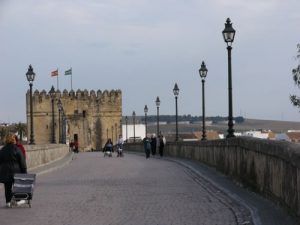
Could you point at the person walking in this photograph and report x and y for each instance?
(120, 146)
(76, 146)
(147, 146)
(108, 148)
(153, 144)
(12, 161)
(162, 142)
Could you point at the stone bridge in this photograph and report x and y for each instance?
(185, 187)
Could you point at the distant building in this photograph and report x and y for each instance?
(293, 136)
(256, 134)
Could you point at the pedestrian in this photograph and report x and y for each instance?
(76, 146)
(71, 146)
(147, 146)
(162, 142)
(20, 146)
(12, 161)
(153, 144)
(108, 145)
(108, 148)
(120, 146)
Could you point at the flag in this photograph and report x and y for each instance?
(68, 72)
(54, 73)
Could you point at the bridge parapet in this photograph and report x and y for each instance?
(271, 168)
(38, 155)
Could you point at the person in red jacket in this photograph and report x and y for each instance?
(20, 146)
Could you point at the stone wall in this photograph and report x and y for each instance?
(271, 168)
(38, 155)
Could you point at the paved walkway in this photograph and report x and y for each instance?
(131, 190)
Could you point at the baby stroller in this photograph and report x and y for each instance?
(22, 189)
(108, 149)
(119, 150)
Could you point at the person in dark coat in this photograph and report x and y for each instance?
(108, 148)
(147, 146)
(162, 142)
(12, 161)
(153, 144)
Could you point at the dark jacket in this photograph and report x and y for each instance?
(147, 143)
(11, 161)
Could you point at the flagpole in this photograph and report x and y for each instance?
(71, 78)
(57, 81)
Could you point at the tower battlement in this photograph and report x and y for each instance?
(105, 96)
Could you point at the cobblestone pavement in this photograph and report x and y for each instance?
(130, 190)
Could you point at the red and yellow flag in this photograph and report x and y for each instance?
(54, 73)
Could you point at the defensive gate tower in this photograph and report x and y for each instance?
(91, 117)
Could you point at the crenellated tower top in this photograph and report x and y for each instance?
(105, 96)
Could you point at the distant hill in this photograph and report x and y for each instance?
(248, 124)
(274, 125)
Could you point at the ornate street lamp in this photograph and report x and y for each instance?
(176, 93)
(126, 122)
(59, 106)
(203, 72)
(30, 75)
(157, 102)
(228, 35)
(52, 95)
(133, 118)
(145, 111)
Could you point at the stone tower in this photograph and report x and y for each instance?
(90, 117)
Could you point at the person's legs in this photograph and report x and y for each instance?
(160, 151)
(8, 193)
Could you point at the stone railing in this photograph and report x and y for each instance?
(38, 155)
(271, 168)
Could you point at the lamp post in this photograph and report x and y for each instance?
(64, 121)
(228, 35)
(133, 118)
(203, 72)
(126, 122)
(176, 93)
(59, 106)
(157, 102)
(30, 75)
(112, 133)
(145, 111)
(52, 95)
(116, 132)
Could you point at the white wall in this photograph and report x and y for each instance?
(139, 131)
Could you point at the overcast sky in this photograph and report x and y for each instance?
(144, 46)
